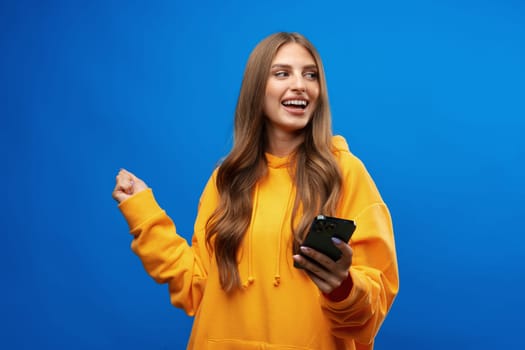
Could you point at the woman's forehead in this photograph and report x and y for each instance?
(293, 54)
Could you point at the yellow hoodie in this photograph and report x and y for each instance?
(279, 307)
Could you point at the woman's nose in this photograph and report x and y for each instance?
(298, 83)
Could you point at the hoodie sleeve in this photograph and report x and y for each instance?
(167, 257)
(374, 270)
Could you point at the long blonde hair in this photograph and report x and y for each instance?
(316, 174)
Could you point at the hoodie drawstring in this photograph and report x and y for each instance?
(277, 276)
(287, 211)
(251, 279)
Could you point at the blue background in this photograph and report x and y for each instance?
(429, 94)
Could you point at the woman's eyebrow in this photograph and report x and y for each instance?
(281, 65)
(310, 66)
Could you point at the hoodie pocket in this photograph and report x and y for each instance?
(236, 344)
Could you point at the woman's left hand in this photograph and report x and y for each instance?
(328, 275)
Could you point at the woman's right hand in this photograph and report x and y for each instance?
(127, 185)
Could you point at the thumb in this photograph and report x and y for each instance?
(130, 187)
(337, 241)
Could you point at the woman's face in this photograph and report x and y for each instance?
(292, 90)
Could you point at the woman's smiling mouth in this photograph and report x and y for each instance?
(295, 104)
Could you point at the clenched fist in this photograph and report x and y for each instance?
(127, 185)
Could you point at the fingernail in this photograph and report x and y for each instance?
(336, 240)
(304, 249)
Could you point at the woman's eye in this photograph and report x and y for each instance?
(311, 75)
(281, 74)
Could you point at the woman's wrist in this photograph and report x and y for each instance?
(341, 292)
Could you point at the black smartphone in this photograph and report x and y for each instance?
(323, 228)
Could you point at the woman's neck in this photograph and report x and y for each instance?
(281, 144)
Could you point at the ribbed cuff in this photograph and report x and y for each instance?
(139, 208)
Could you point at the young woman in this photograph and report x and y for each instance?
(238, 277)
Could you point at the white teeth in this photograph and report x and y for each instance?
(295, 102)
